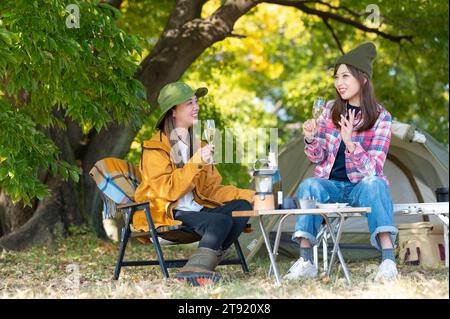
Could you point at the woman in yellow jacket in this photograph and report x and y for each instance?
(184, 187)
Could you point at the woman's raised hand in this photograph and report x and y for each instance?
(310, 129)
(207, 153)
(347, 130)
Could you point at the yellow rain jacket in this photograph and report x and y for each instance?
(164, 184)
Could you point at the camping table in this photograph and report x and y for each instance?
(440, 210)
(341, 213)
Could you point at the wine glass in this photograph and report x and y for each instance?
(318, 105)
(210, 132)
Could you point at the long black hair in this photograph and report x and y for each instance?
(168, 127)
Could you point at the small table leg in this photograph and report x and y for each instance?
(336, 249)
(321, 238)
(277, 240)
(269, 251)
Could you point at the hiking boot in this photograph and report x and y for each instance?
(198, 278)
(199, 269)
(386, 271)
(301, 269)
(202, 260)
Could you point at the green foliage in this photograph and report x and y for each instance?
(24, 151)
(146, 19)
(87, 71)
(84, 73)
(412, 80)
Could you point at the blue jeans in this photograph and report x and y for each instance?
(370, 192)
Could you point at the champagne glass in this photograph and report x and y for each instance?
(210, 132)
(318, 105)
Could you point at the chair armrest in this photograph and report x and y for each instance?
(136, 204)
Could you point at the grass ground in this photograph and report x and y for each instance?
(81, 266)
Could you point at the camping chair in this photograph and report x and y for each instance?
(117, 181)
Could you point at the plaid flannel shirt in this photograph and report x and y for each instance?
(371, 146)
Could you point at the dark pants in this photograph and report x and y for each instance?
(216, 225)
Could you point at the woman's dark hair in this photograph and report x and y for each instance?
(168, 127)
(369, 110)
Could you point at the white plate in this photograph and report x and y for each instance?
(332, 205)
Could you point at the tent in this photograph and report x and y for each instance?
(416, 166)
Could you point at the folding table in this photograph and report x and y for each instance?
(326, 213)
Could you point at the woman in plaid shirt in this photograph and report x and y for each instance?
(349, 143)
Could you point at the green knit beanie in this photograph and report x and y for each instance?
(361, 57)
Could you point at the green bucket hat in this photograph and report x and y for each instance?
(173, 94)
(361, 57)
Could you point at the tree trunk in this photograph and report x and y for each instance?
(51, 216)
(12, 216)
(51, 219)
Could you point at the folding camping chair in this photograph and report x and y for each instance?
(117, 181)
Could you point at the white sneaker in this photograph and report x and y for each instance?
(301, 269)
(386, 271)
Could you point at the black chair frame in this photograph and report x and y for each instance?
(128, 210)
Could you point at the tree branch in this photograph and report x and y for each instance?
(184, 11)
(237, 36)
(353, 13)
(301, 5)
(359, 15)
(198, 7)
(182, 43)
(222, 21)
(336, 39)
